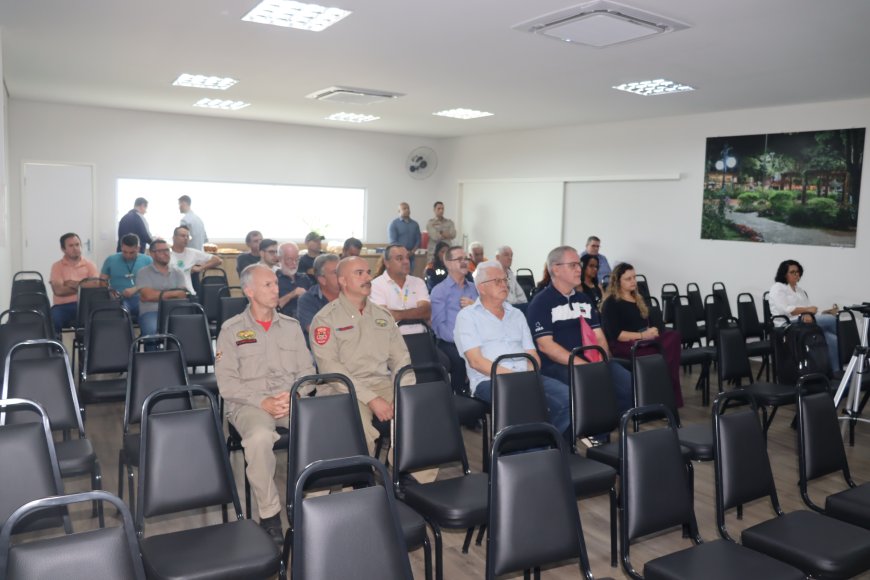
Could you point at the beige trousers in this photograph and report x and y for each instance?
(257, 428)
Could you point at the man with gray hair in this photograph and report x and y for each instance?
(291, 285)
(562, 319)
(593, 245)
(491, 327)
(475, 255)
(516, 296)
(325, 291)
(260, 354)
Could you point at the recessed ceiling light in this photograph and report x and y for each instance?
(223, 104)
(291, 14)
(352, 118)
(656, 87)
(204, 82)
(463, 114)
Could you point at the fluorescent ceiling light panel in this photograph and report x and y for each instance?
(223, 104)
(352, 118)
(463, 114)
(291, 14)
(204, 82)
(652, 88)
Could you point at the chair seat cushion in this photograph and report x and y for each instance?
(608, 453)
(851, 505)
(75, 457)
(103, 391)
(772, 394)
(207, 381)
(460, 502)
(820, 546)
(758, 348)
(413, 525)
(590, 477)
(469, 410)
(698, 355)
(235, 550)
(719, 560)
(698, 439)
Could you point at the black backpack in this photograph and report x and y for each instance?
(800, 348)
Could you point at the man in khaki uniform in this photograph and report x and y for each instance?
(357, 338)
(260, 354)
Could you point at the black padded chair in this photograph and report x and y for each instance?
(49, 382)
(229, 305)
(533, 521)
(714, 310)
(696, 302)
(652, 386)
(35, 301)
(27, 281)
(753, 328)
(669, 292)
(180, 447)
(427, 434)
(733, 365)
(328, 529)
(820, 546)
(108, 338)
(88, 296)
(102, 554)
(526, 280)
(821, 452)
(148, 371)
(27, 325)
(656, 496)
(210, 283)
(594, 408)
(643, 287)
(721, 294)
(692, 352)
(190, 326)
(329, 427)
(30, 469)
(656, 316)
(166, 306)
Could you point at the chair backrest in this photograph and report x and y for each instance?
(742, 466)
(643, 287)
(747, 316)
(34, 301)
(29, 466)
(533, 518)
(165, 306)
(101, 554)
(685, 322)
(46, 380)
(230, 305)
(323, 427)
(594, 408)
(426, 426)
(733, 360)
(12, 333)
(720, 292)
(765, 309)
(696, 301)
(820, 443)
(656, 317)
(714, 309)
(328, 529)
(189, 324)
(88, 296)
(183, 462)
(526, 280)
(669, 292)
(655, 481)
(27, 281)
(108, 338)
(517, 397)
(210, 286)
(847, 335)
(421, 347)
(150, 371)
(651, 379)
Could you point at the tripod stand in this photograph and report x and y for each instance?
(855, 373)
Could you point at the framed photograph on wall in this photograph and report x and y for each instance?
(784, 188)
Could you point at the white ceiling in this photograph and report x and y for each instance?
(441, 54)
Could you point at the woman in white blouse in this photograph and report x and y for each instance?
(788, 299)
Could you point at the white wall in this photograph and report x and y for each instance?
(122, 143)
(5, 235)
(659, 226)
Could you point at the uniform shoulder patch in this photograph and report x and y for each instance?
(321, 335)
(381, 322)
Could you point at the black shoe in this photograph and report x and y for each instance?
(273, 528)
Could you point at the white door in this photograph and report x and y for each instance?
(58, 198)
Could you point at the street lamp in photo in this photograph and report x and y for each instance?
(725, 163)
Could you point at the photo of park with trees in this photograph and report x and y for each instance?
(784, 188)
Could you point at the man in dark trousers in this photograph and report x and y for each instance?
(134, 222)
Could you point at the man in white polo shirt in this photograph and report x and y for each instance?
(189, 259)
(405, 296)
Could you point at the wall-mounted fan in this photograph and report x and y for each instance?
(421, 162)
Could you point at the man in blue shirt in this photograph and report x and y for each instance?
(120, 270)
(491, 327)
(325, 291)
(555, 315)
(405, 231)
(448, 297)
(593, 245)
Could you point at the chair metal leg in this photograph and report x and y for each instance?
(131, 485)
(527, 575)
(537, 574)
(480, 535)
(467, 542)
(485, 443)
(613, 515)
(97, 483)
(120, 475)
(439, 551)
(427, 557)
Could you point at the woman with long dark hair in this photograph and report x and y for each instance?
(436, 270)
(589, 279)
